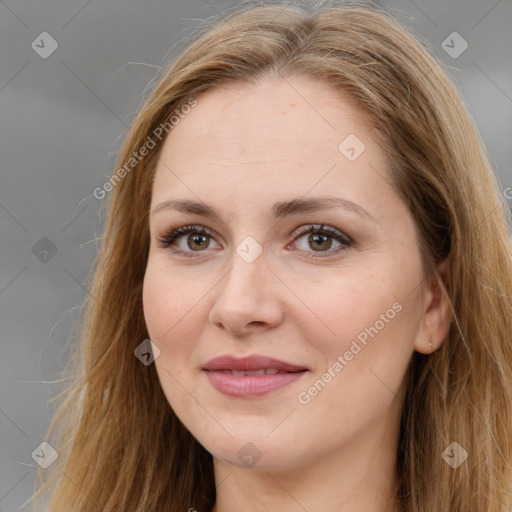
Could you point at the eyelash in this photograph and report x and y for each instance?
(167, 240)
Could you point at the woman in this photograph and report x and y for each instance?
(305, 224)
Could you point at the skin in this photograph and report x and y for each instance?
(242, 149)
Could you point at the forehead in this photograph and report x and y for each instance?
(280, 132)
(239, 117)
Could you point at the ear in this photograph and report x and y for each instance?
(437, 317)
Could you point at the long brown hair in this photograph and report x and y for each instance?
(120, 445)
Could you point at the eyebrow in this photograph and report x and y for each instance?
(278, 211)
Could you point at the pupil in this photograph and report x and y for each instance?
(322, 239)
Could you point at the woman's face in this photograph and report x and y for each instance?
(347, 305)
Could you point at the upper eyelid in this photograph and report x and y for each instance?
(321, 228)
(200, 227)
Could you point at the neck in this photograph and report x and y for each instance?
(360, 476)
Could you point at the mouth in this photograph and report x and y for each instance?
(254, 373)
(251, 376)
(253, 363)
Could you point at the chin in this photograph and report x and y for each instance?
(252, 452)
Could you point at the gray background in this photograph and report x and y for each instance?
(62, 119)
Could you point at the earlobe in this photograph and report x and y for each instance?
(435, 324)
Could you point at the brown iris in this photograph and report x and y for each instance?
(324, 240)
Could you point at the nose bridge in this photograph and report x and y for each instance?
(245, 294)
(247, 275)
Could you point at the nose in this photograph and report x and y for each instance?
(248, 297)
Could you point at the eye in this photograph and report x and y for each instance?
(196, 238)
(187, 239)
(321, 239)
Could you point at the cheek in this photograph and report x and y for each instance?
(172, 306)
(172, 311)
(368, 319)
(341, 305)
(363, 364)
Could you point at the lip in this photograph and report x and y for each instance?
(217, 371)
(250, 363)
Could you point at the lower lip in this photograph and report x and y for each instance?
(250, 385)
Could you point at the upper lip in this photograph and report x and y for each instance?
(250, 363)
